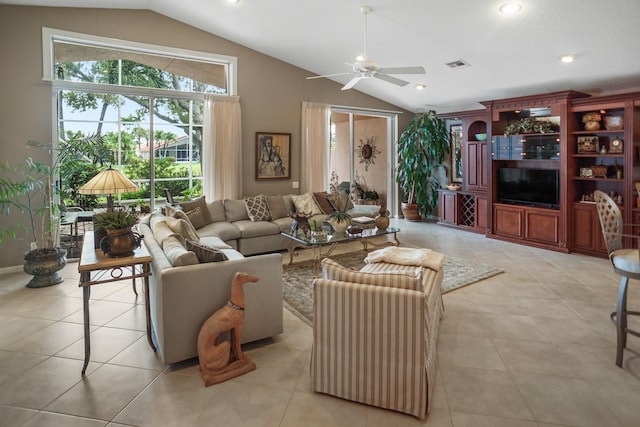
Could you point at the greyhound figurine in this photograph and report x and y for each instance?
(221, 360)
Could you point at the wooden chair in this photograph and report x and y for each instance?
(626, 263)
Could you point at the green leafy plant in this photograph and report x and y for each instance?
(116, 220)
(422, 149)
(531, 125)
(30, 188)
(340, 213)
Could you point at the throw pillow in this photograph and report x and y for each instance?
(202, 204)
(182, 227)
(277, 207)
(196, 217)
(177, 254)
(205, 253)
(322, 199)
(305, 203)
(257, 208)
(402, 278)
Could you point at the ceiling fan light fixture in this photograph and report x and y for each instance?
(510, 8)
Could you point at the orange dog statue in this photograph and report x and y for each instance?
(223, 360)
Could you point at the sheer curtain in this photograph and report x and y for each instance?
(222, 148)
(314, 173)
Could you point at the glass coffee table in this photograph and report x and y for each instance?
(323, 247)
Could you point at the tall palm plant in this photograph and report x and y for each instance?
(422, 149)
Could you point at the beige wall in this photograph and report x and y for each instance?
(271, 91)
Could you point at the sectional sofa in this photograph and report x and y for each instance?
(237, 235)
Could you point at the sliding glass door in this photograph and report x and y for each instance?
(362, 153)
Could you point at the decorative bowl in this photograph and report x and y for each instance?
(481, 136)
(352, 229)
(454, 187)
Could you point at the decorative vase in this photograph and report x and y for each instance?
(340, 226)
(382, 222)
(120, 243)
(591, 125)
(410, 211)
(43, 265)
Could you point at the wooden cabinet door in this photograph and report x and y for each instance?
(448, 211)
(587, 233)
(508, 221)
(470, 168)
(542, 226)
(481, 213)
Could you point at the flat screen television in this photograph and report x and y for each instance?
(532, 187)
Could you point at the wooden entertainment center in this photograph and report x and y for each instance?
(595, 145)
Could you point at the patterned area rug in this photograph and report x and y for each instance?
(297, 279)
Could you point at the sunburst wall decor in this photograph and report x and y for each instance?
(367, 152)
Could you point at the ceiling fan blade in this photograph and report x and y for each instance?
(402, 70)
(352, 83)
(327, 75)
(390, 79)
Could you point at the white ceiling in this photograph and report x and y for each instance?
(509, 55)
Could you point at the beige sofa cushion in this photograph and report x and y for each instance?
(177, 254)
(216, 211)
(182, 227)
(197, 218)
(201, 203)
(277, 207)
(305, 203)
(390, 275)
(162, 231)
(235, 210)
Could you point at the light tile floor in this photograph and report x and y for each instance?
(531, 347)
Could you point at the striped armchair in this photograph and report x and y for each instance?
(375, 333)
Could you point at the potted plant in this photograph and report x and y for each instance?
(422, 148)
(120, 240)
(339, 219)
(29, 188)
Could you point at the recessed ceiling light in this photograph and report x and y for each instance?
(233, 1)
(420, 86)
(360, 58)
(510, 8)
(567, 58)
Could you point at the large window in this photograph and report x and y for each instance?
(146, 104)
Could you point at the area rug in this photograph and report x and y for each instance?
(298, 277)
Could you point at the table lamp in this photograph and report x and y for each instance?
(109, 182)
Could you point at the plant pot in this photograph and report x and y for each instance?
(410, 211)
(339, 226)
(120, 243)
(43, 265)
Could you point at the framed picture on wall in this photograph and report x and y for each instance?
(455, 135)
(273, 155)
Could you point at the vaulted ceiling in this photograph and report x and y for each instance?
(508, 56)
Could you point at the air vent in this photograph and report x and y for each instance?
(459, 63)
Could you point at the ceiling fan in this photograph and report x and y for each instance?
(363, 68)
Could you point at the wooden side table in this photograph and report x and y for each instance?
(95, 267)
